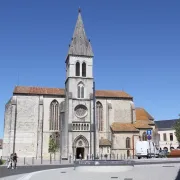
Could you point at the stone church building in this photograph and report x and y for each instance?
(34, 115)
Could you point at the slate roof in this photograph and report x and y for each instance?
(80, 45)
(60, 92)
(166, 124)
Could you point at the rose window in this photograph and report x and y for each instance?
(81, 111)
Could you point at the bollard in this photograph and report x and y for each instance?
(124, 156)
(117, 156)
(24, 160)
(70, 159)
(50, 159)
(121, 156)
(110, 156)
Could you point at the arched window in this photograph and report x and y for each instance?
(127, 142)
(77, 69)
(80, 93)
(99, 115)
(54, 116)
(144, 136)
(84, 69)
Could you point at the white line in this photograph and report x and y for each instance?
(28, 176)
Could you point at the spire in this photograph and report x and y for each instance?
(80, 45)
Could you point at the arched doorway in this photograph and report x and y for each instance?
(80, 147)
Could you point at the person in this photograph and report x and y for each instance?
(80, 156)
(10, 160)
(14, 161)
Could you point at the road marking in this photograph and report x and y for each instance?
(28, 176)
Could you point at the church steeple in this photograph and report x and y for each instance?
(80, 45)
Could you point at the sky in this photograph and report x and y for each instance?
(136, 46)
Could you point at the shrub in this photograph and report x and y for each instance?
(2, 161)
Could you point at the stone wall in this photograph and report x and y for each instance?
(119, 142)
(115, 110)
(7, 129)
(27, 125)
(46, 116)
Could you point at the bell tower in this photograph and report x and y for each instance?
(79, 95)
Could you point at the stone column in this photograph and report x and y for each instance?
(64, 130)
(40, 128)
(12, 141)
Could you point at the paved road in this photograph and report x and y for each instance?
(138, 172)
(4, 172)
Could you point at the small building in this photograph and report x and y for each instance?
(167, 137)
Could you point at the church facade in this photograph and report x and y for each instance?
(35, 115)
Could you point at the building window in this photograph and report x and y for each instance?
(84, 69)
(144, 136)
(164, 137)
(99, 115)
(127, 142)
(171, 136)
(54, 116)
(77, 69)
(80, 93)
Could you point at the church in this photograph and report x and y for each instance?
(36, 115)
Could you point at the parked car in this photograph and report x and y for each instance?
(163, 153)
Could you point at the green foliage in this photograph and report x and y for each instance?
(177, 130)
(2, 161)
(52, 145)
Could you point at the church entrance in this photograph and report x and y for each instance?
(79, 153)
(80, 147)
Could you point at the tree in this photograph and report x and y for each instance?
(53, 147)
(177, 130)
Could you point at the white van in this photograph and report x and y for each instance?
(146, 149)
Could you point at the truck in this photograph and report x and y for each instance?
(146, 149)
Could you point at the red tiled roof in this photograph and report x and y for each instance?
(58, 91)
(140, 124)
(104, 142)
(123, 127)
(142, 114)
